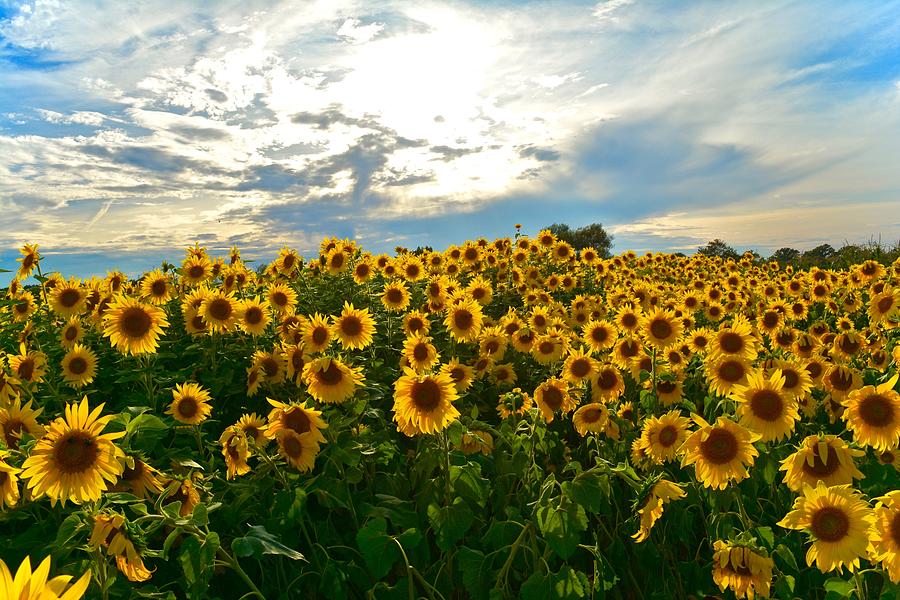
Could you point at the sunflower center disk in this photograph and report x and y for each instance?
(767, 405)
(351, 326)
(136, 322)
(660, 329)
(822, 469)
(731, 342)
(253, 315)
(296, 420)
(220, 309)
(830, 524)
(667, 436)
(77, 365)
(426, 395)
(75, 452)
(876, 411)
(720, 447)
(69, 298)
(187, 407)
(330, 376)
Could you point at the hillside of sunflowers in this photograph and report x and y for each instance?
(502, 419)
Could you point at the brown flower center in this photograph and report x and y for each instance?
(77, 365)
(629, 349)
(11, 431)
(885, 304)
(591, 415)
(599, 334)
(292, 447)
(420, 352)
(320, 335)
(629, 320)
(770, 320)
(791, 378)
(129, 474)
(69, 297)
(841, 379)
(767, 405)
(463, 319)
(546, 347)
(330, 376)
(581, 368)
(660, 329)
(25, 371)
(71, 333)
(269, 366)
(187, 407)
(666, 387)
(136, 322)
(731, 371)
(876, 411)
(75, 452)
(296, 420)
(337, 261)
(720, 447)
(820, 469)
(607, 379)
(158, 288)
(220, 309)
(553, 397)
(830, 524)
(668, 435)
(426, 395)
(279, 298)
(253, 315)
(731, 342)
(394, 296)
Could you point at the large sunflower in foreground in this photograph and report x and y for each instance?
(28, 585)
(720, 453)
(132, 326)
(742, 570)
(825, 458)
(838, 519)
(873, 415)
(74, 460)
(885, 534)
(424, 403)
(331, 381)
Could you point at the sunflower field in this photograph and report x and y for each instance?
(503, 419)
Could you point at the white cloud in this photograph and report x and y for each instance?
(77, 117)
(606, 10)
(355, 32)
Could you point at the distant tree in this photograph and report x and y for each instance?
(718, 248)
(786, 256)
(589, 236)
(819, 256)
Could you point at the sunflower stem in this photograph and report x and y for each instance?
(235, 566)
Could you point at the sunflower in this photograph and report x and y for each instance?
(735, 341)
(272, 365)
(110, 532)
(281, 298)
(219, 311)
(464, 321)
(628, 319)
(660, 328)
(415, 322)
(838, 519)
(579, 367)
(17, 420)
(662, 436)
(395, 296)
(26, 585)
(336, 261)
(420, 353)
(253, 315)
(195, 270)
(254, 427)
(317, 334)
(133, 327)
(662, 492)
(742, 570)
(885, 534)
(288, 261)
(9, 483)
(504, 375)
(492, 343)
(424, 403)
(190, 404)
(254, 378)
(72, 332)
(156, 287)
(476, 441)
(825, 458)
(873, 415)
(354, 327)
(29, 366)
(515, 402)
(29, 260)
(362, 271)
(720, 453)
(553, 395)
(300, 450)
(607, 384)
(79, 366)
(73, 460)
(331, 381)
(299, 418)
(460, 373)
(764, 408)
(884, 306)
(725, 374)
(591, 417)
(625, 350)
(599, 335)
(23, 306)
(139, 478)
(235, 451)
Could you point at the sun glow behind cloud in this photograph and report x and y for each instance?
(138, 127)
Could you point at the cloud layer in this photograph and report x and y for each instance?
(131, 129)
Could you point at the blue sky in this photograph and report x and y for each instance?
(129, 130)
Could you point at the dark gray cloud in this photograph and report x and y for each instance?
(151, 159)
(216, 95)
(541, 154)
(448, 153)
(203, 134)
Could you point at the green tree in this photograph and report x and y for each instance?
(589, 236)
(786, 256)
(718, 248)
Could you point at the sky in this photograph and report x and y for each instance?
(130, 130)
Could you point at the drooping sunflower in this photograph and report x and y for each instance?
(420, 353)
(477, 441)
(660, 328)
(28, 585)
(424, 403)
(29, 260)
(873, 415)
(838, 520)
(9, 483)
(764, 408)
(460, 373)
(299, 418)
(354, 327)
(825, 458)
(300, 450)
(552, 396)
(139, 478)
(79, 366)
(253, 315)
(590, 418)
(132, 326)
(395, 296)
(317, 334)
(331, 381)
(742, 570)
(885, 534)
(662, 492)
(721, 453)
(282, 298)
(190, 404)
(74, 460)
(17, 420)
(235, 451)
(182, 490)
(607, 384)
(464, 321)
(110, 532)
(662, 436)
